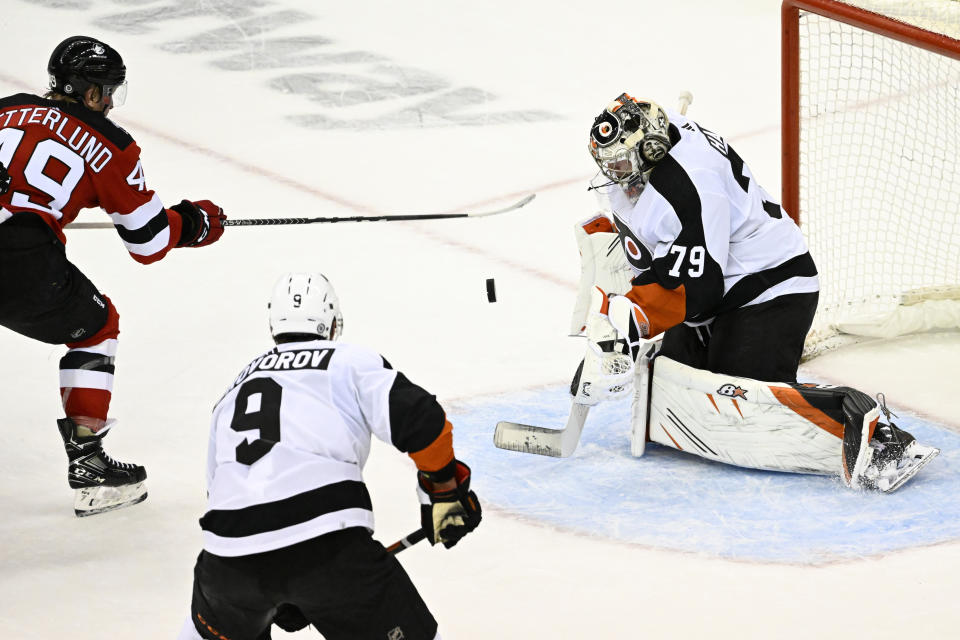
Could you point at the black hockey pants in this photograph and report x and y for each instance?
(762, 341)
(345, 584)
(42, 294)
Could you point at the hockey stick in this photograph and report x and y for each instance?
(251, 222)
(407, 541)
(559, 443)
(686, 99)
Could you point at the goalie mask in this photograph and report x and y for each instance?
(628, 139)
(305, 304)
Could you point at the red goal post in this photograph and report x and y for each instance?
(867, 86)
(790, 62)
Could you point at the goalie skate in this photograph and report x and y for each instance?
(889, 474)
(101, 483)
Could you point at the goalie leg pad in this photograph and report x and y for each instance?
(738, 421)
(799, 428)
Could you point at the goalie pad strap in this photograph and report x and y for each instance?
(861, 414)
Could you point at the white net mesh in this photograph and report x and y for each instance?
(879, 163)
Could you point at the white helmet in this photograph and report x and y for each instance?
(305, 303)
(628, 139)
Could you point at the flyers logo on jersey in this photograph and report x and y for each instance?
(732, 391)
(631, 248)
(637, 254)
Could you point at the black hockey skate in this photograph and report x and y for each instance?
(101, 483)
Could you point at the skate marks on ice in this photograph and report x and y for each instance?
(288, 41)
(676, 501)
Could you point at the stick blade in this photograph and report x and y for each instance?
(556, 443)
(525, 438)
(525, 201)
(516, 205)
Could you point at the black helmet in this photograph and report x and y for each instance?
(81, 61)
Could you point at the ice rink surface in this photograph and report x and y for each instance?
(280, 108)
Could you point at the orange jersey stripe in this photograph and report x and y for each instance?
(793, 399)
(438, 453)
(664, 307)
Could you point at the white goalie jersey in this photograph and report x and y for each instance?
(703, 237)
(290, 438)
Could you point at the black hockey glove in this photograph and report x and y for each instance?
(290, 618)
(4, 179)
(447, 515)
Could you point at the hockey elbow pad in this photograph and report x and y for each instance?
(447, 515)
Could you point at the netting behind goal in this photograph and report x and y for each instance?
(872, 160)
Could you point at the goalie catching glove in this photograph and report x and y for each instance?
(615, 330)
(447, 514)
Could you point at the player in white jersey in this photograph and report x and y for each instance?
(289, 520)
(715, 265)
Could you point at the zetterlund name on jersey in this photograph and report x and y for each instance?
(93, 152)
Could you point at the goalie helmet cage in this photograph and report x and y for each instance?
(871, 161)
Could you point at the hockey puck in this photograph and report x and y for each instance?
(491, 291)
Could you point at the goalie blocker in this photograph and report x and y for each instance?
(800, 428)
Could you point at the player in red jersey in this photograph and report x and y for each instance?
(61, 154)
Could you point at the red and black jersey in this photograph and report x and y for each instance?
(63, 157)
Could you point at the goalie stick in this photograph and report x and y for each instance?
(559, 443)
(257, 222)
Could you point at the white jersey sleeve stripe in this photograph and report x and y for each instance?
(140, 216)
(145, 230)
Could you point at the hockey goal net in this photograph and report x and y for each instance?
(871, 161)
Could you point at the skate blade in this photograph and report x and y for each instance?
(90, 501)
(905, 474)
